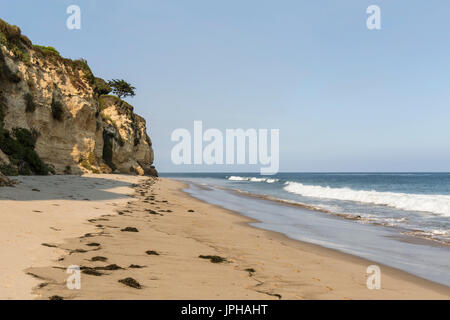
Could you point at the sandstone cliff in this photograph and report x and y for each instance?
(56, 118)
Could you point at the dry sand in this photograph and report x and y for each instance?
(175, 229)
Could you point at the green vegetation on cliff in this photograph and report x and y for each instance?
(121, 88)
(12, 38)
(19, 147)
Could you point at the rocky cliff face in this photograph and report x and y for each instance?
(4, 181)
(54, 116)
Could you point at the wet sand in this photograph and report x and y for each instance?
(164, 244)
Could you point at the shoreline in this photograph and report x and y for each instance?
(402, 274)
(259, 264)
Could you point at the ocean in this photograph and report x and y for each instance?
(399, 219)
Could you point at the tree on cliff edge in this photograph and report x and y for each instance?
(121, 88)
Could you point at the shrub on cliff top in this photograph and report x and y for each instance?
(12, 34)
(53, 55)
(46, 50)
(12, 38)
(121, 88)
(101, 87)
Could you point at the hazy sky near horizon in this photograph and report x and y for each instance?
(344, 98)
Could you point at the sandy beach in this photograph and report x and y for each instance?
(119, 227)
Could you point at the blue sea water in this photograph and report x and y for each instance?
(416, 203)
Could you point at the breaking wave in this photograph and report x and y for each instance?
(437, 204)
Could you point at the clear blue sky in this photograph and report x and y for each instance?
(344, 98)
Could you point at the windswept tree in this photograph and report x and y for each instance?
(121, 88)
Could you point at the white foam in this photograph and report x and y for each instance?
(252, 179)
(438, 204)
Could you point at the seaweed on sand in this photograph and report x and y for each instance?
(130, 229)
(130, 282)
(213, 259)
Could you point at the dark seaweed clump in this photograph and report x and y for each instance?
(93, 244)
(136, 266)
(131, 283)
(213, 259)
(110, 267)
(130, 229)
(99, 258)
(91, 271)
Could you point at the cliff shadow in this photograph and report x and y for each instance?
(68, 187)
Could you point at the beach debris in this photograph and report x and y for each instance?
(152, 253)
(98, 219)
(49, 245)
(88, 235)
(213, 259)
(131, 283)
(136, 266)
(110, 267)
(129, 229)
(150, 211)
(78, 251)
(271, 294)
(93, 244)
(36, 276)
(99, 258)
(190, 210)
(56, 298)
(250, 271)
(35, 190)
(91, 271)
(37, 211)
